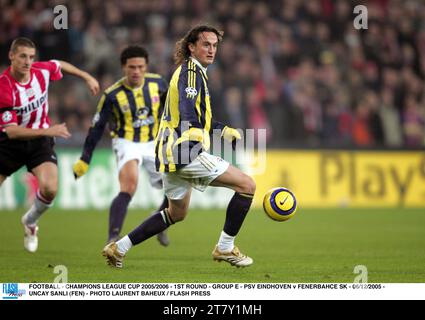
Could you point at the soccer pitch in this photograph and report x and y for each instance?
(314, 246)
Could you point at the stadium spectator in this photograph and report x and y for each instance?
(279, 36)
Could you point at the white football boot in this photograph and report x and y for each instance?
(30, 238)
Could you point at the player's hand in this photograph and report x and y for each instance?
(80, 168)
(195, 134)
(58, 130)
(230, 134)
(92, 84)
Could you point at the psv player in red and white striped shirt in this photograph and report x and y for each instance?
(26, 135)
(30, 99)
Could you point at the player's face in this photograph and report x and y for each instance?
(205, 48)
(134, 70)
(22, 59)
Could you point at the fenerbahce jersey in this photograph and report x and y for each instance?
(187, 106)
(132, 113)
(27, 104)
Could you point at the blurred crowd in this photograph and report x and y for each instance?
(298, 68)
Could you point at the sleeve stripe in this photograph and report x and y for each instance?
(190, 75)
(194, 76)
(101, 103)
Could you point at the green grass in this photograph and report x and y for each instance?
(314, 246)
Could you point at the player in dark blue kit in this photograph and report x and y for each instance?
(132, 107)
(181, 150)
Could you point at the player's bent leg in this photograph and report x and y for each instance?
(47, 176)
(115, 252)
(235, 179)
(244, 187)
(128, 178)
(155, 180)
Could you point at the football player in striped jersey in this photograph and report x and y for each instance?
(132, 107)
(26, 136)
(181, 150)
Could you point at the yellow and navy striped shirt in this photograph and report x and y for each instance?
(187, 106)
(132, 113)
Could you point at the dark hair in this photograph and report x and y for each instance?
(21, 42)
(133, 52)
(182, 52)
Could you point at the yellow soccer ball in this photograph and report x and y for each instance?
(279, 204)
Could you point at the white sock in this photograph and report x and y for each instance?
(226, 242)
(34, 213)
(124, 245)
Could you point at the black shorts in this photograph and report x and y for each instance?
(30, 153)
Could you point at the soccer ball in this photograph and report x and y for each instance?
(279, 204)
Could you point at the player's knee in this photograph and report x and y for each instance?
(130, 186)
(177, 215)
(49, 191)
(178, 218)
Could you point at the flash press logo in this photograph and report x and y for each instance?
(11, 291)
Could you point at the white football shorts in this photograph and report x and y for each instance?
(143, 152)
(197, 174)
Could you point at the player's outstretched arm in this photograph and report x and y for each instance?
(20, 133)
(104, 110)
(91, 82)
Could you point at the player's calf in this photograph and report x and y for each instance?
(30, 236)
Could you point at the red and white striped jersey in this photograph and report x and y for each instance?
(27, 104)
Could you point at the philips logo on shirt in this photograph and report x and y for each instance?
(32, 106)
